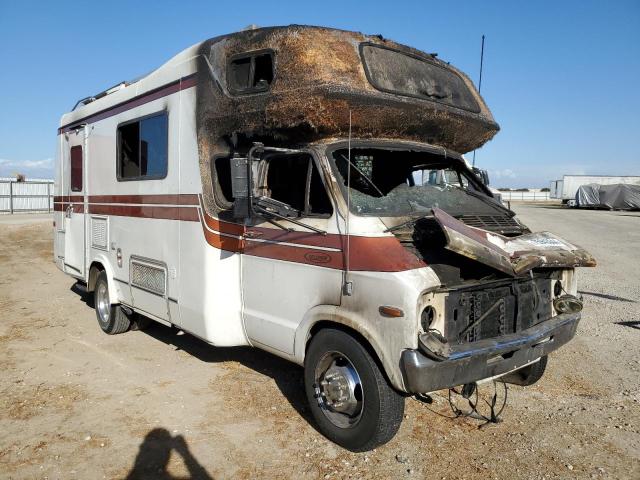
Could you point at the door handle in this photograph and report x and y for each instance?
(252, 234)
(68, 211)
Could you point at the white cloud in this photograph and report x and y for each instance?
(46, 163)
(504, 173)
(30, 168)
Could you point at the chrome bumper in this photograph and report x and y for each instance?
(486, 358)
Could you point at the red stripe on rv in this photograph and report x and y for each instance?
(377, 254)
(173, 87)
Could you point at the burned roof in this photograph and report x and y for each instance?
(297, 84)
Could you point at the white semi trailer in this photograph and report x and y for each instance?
(566, 188)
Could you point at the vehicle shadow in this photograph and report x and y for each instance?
(632, 324)
(80, 290)
(607, 296)
(287, 376)
(153, 457)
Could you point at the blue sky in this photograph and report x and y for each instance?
(561, 77)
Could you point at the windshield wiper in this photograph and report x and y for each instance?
(260, 209)
(406, 224)
(363, 175)
(486, 199)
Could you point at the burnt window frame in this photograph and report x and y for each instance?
(423, 58)
(252, 55)
(119, 176)
(224, 205)
(314, 161)
(72, 186)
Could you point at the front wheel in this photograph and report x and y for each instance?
(350, 399)
(111, 318)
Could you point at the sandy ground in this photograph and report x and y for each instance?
(75, 403)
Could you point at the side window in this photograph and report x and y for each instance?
(251, 72)
(143, 148)
(76, 168)
(296, 181)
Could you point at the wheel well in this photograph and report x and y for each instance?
(323, 324)
(94, 271)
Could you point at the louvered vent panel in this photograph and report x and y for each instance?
(494, 223)
(99, 232)
(148, 277)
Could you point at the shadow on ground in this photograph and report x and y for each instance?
(80, 290)
(287, 376)
(154, 454)
(633, 324)
(607, 296)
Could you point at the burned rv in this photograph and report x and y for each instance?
(302, 190)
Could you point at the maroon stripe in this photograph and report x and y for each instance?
(62, 207)
(163, 213)
(69, 198)
(374, 254)
(150, 96)
(177, 199)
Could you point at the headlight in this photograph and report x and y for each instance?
(567, 304)
(427, 318)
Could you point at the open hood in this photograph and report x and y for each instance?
(513, 256)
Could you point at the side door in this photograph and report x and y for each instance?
(288, 268)
(74, 191)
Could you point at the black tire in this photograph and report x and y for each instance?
(528, 375)
(382, 408)
(111, 318)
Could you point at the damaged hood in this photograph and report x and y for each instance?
(513, 256)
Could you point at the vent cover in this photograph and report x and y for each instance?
(148, 277)
(99, 233)
(493, 223)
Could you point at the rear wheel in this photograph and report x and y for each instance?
(350, 398)
(111, 318)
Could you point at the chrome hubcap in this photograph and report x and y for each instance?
(338, 389)
(103, 306)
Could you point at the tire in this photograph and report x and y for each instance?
(528, 375)
(370, 413)
(111, 318)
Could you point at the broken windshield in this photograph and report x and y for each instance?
(390, 183)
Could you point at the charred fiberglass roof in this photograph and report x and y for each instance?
(297, 84)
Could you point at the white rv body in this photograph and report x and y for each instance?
(143, 210)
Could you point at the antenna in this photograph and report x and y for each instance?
(347, 288)
(479, 85)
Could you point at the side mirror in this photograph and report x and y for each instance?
(483, 175)
(240, 188)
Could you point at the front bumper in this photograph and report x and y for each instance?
(486, 358)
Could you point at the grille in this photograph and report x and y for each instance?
(510, 309)
(493, 223)
(99, 232)
(148, 277)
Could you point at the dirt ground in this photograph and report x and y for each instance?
(76, 403)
